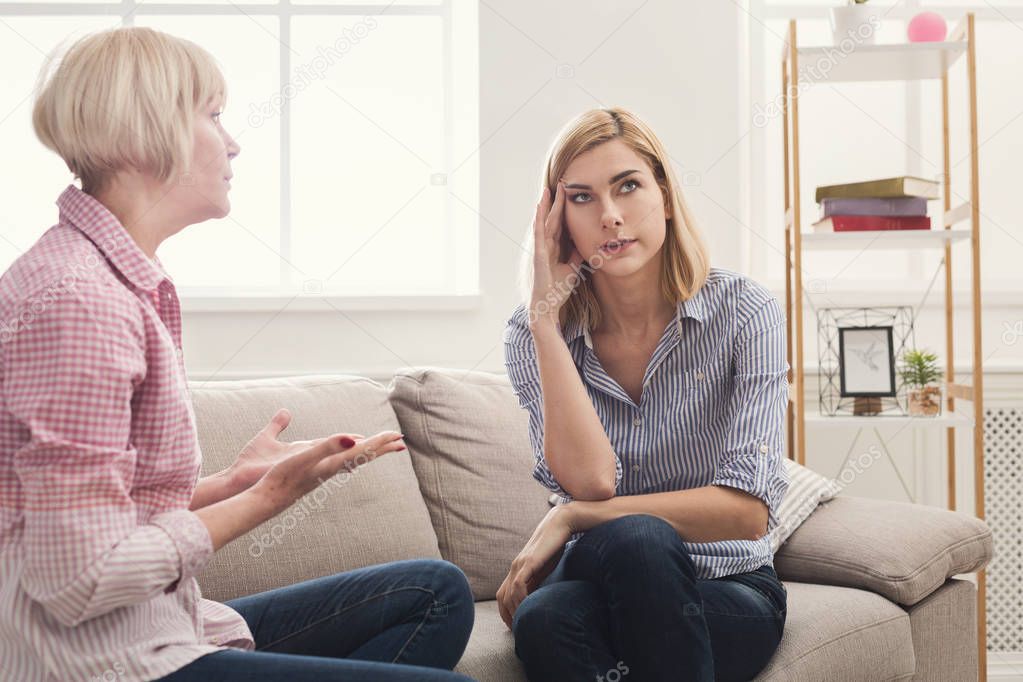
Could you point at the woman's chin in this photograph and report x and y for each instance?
(211, 211)
(220, 208)
(620, 266)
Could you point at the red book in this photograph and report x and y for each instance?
(867, 223)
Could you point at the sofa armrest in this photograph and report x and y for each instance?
(898, 550)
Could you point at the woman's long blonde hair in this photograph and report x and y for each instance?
(685, 261)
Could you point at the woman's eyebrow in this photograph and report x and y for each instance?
(612, 181)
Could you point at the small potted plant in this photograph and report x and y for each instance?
(920, 374)
(854, 21)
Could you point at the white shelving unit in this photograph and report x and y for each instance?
(898, 62)
(862, 63)
(882, 239)
(945, 419)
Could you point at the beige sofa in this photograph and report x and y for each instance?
(871, 591)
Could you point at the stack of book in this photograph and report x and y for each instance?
(888, 204)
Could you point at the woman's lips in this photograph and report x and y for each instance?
(616, 247)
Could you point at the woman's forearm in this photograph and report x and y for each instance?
(233, 517)
(576, 446)
(214, 488)
(706, 514)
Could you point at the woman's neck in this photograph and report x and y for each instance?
(632, 307)
(140, 206)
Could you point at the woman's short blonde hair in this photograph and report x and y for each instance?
(124, 98)
(685, 261)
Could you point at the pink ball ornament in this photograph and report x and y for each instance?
(927, 27)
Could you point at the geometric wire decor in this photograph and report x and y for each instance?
(830, 321)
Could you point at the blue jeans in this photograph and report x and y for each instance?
(624, 603)
(403, 621)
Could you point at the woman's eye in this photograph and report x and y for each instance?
(629, 185)
(581, 197)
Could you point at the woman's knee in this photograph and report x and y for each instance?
(556, 610)
(635, 533)
(632, 541)
(450, 587)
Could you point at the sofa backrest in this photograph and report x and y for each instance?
(372, 515)
(470, 449)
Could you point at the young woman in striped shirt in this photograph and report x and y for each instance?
(656, 389)
(104, 522)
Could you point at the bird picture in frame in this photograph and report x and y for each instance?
(866, 362)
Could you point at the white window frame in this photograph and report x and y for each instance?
(754, 256)
(461, 89)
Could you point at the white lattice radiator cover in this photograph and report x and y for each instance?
(1003, 503)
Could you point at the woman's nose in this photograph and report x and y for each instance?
(233, 149)
(611, 218)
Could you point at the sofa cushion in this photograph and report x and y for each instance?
(838, 633)
(899, 550)
(831, 633)
(945, 633)
(806, 490)
(471, 452)
(372, 515)
(490, 654)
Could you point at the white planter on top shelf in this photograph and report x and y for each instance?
(856, 22)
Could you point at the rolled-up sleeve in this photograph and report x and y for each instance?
(521, 364)
(752, 458)
(69, 380)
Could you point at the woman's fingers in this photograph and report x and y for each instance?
(519, 592)
(553, 220)
(503, 610)
(505, 616)
(539, 237)
(364, 452)
(545, 203)
(278, 423)
(576, 259)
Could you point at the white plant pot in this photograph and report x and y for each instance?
(854, 22)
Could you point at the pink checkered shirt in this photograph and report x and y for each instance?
(98, 461)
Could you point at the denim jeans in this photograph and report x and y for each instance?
(404, 621)
(624, 603)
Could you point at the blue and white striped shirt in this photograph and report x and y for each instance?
(711, 411)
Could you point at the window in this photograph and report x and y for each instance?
(852, 131)
(358, 126)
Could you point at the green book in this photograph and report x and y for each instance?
(904, 186)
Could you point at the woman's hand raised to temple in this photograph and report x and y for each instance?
(556, 261)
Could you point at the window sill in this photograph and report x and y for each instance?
(320, 303)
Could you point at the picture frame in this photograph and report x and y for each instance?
(866, 359)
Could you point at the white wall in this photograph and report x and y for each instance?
(676, 64)
(680, 69)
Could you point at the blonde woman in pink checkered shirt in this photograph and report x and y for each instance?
(104, 521)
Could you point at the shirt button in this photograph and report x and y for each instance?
(635, 467)
(764, 448)
(638, 421)
(179, 352)
(699, 376)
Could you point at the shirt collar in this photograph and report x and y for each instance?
(95, 221)
(694, 307)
